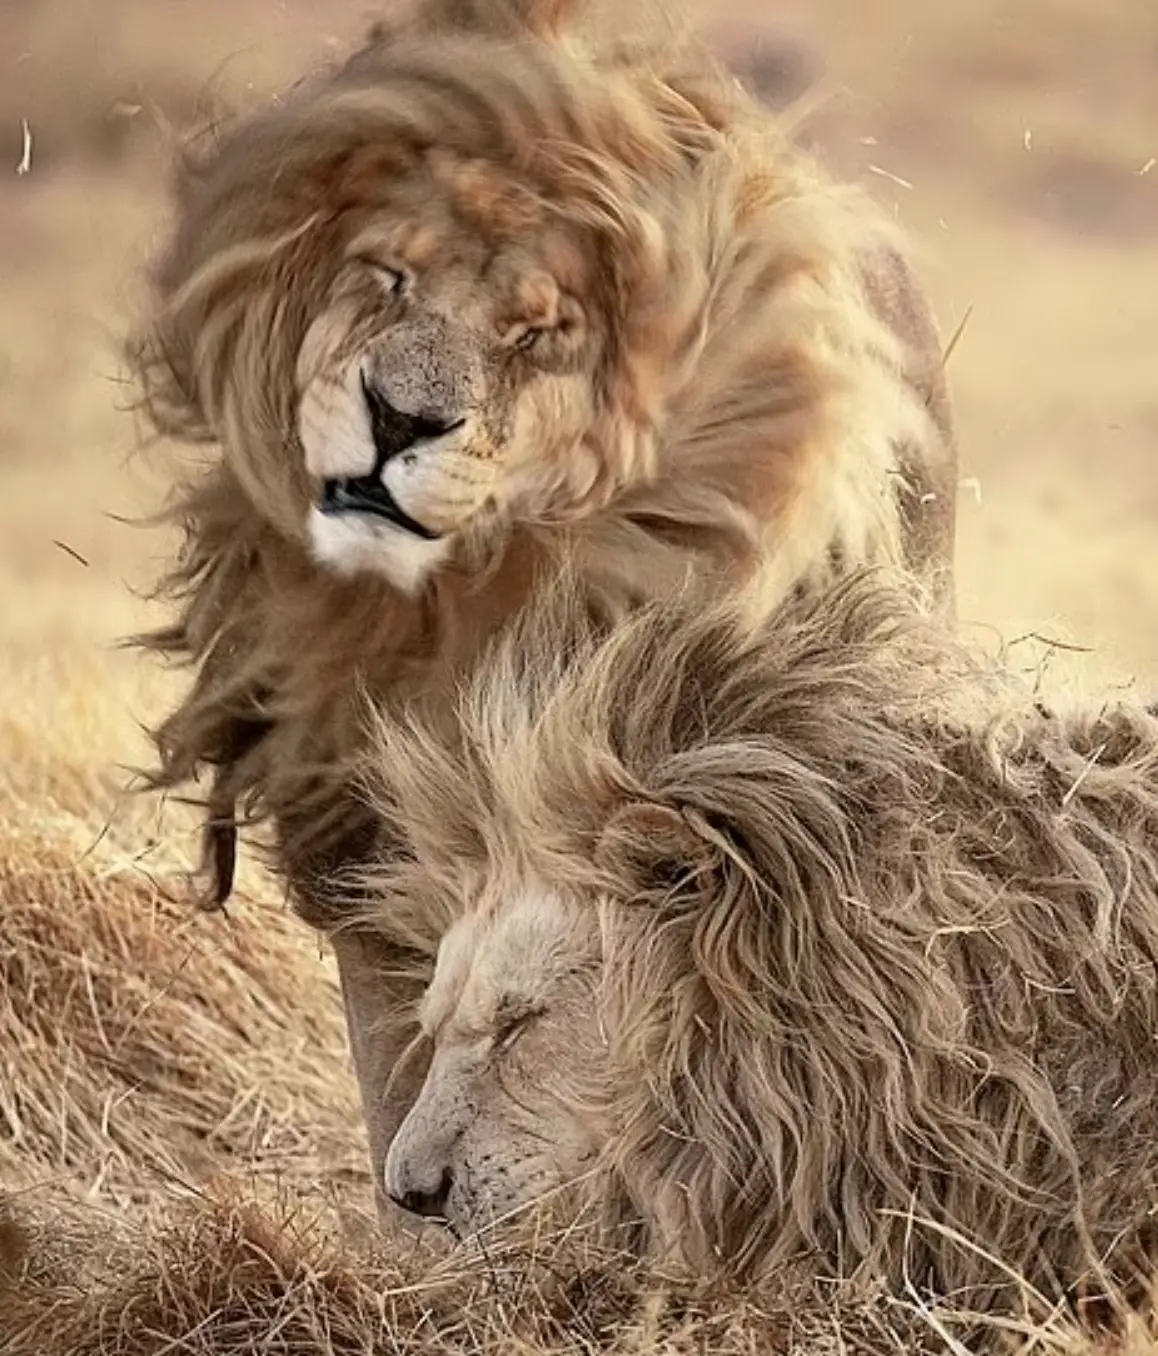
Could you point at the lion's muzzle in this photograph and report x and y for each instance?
(395, 434)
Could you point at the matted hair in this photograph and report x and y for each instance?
(881, 930)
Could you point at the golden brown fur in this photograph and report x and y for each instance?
(875, 939)
(732, 373)
(751, 405)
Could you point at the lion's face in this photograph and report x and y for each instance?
(448, 291)
(509, 1110)
(449, 376)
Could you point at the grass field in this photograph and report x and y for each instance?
(141, 1047)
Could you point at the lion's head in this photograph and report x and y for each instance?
(482, 276)
(822, 937)
(441, 288)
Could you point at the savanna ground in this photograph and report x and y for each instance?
(143, 1049)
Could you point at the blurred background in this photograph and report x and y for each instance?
(1017, 142)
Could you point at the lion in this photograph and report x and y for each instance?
(823, 939)
(490, 297)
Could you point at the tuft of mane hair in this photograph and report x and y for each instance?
(770, 397)
(881, 932)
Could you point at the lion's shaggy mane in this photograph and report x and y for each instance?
(758, 293)
(882, 941)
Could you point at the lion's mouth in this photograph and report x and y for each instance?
(367, 494)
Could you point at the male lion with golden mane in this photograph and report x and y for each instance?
(485, 299)
(818, 940)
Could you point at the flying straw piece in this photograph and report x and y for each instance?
(25, 163)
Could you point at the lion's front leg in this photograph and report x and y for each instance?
(389, 1059)
(322, 857)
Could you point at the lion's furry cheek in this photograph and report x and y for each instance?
(334, 427)
(553, 488)
(333, 417)
(499, 1189)
(555, 468)
(353, 544)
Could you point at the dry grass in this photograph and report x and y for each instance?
(91, 79)
(218, 1275)
(142, 1043)
(144, 1050)
(219, 1278)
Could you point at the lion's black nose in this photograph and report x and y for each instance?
(428, 1202)
(395, 432)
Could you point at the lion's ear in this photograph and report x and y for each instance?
(656, 845)
(543, 18)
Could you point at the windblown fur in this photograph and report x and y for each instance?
(880, 932)
(769, 397)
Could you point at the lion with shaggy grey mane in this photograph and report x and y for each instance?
(820, 939)
(488, 297)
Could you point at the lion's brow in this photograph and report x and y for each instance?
(438, 1007)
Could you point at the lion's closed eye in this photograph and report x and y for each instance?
(525, 337)
(510, 1023)
(395, 281)
(561, 321)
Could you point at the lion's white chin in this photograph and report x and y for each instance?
(353, 543)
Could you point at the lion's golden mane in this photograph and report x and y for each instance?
(790, 427)
(881, 940)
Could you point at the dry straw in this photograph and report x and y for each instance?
(219, 1275)
(140, 1043)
